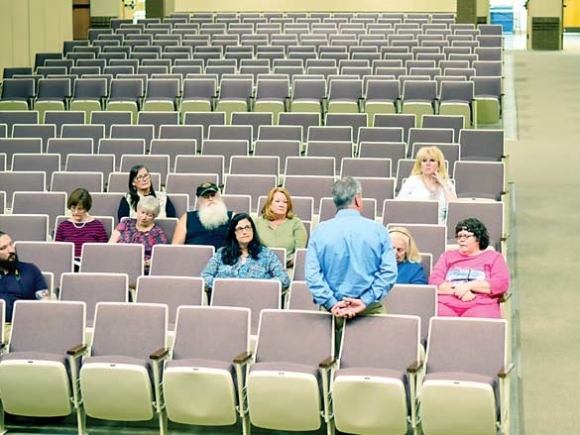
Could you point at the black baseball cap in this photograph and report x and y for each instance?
(205, 188)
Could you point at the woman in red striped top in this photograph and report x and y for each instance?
(81, 227)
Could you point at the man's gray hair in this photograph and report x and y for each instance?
(344, 191)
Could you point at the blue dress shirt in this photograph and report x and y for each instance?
(350, 256)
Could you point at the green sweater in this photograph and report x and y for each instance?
(290, 234)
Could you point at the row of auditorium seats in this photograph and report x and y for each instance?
(31, 232)
(293, 378)
(67, 134)
(421, 95)
(472, 178)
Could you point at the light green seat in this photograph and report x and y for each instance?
(198, 95)
(344, 96)
(88, 95)
(456, 99)
(418, 98)
(308, 95)
(235, 95)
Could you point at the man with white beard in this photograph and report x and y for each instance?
(209, 224)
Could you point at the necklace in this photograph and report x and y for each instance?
(82, 225)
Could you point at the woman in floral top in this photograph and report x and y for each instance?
(244, 256)
(142, 229)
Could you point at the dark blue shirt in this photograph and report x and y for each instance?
(23, 283)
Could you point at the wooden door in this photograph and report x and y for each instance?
(81, 18)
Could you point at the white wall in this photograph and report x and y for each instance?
(31, 26)
(320, 5)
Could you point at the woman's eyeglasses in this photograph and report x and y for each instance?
(464, 236)
(142, 177)
(243, 229)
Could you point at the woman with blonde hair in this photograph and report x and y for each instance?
(429, 180)
(409, 267)
(278, 227)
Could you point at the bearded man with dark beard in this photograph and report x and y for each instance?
(18, 280)
(209, 224)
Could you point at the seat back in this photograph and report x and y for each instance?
(479, 179)
(254, 185)
(144, 324)
(55, 257)
(452, 347)
(25, 227)
(119, 257)
(230, 327)
(180, 260)
(300, 297)
(400, 335)
(410, 211)
(52, 337)
(294, 336)
(92, 288)
(172, 291)
(311, 185)
(255, 294)
(415, 300)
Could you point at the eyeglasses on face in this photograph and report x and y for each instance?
(243, 229)
(464, 236)
(77, 209)
(209, 195)
(142, 177)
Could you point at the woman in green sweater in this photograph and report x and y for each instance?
(278, 227)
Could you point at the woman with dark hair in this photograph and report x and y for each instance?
(244, 256)
(80, 227)
(471, 279)
(139, 186)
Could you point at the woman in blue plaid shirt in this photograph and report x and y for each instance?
(244, 256)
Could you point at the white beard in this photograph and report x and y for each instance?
(213, 215)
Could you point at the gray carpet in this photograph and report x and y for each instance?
(543, 165)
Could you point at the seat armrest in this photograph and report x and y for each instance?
(505, 371)
(159, 354)
(77, 350)
(415, 366)
(243, 358)
(326, 363)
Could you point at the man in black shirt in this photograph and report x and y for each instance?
(209, 224)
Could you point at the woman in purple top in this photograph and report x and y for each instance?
(81, 227)
(142, 229)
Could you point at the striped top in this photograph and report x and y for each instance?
(91, 232)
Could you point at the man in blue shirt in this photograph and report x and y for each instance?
(350, 262)
(18, 280)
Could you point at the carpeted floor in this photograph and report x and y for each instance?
(543, 164)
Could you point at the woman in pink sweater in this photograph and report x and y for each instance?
(471, 279)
